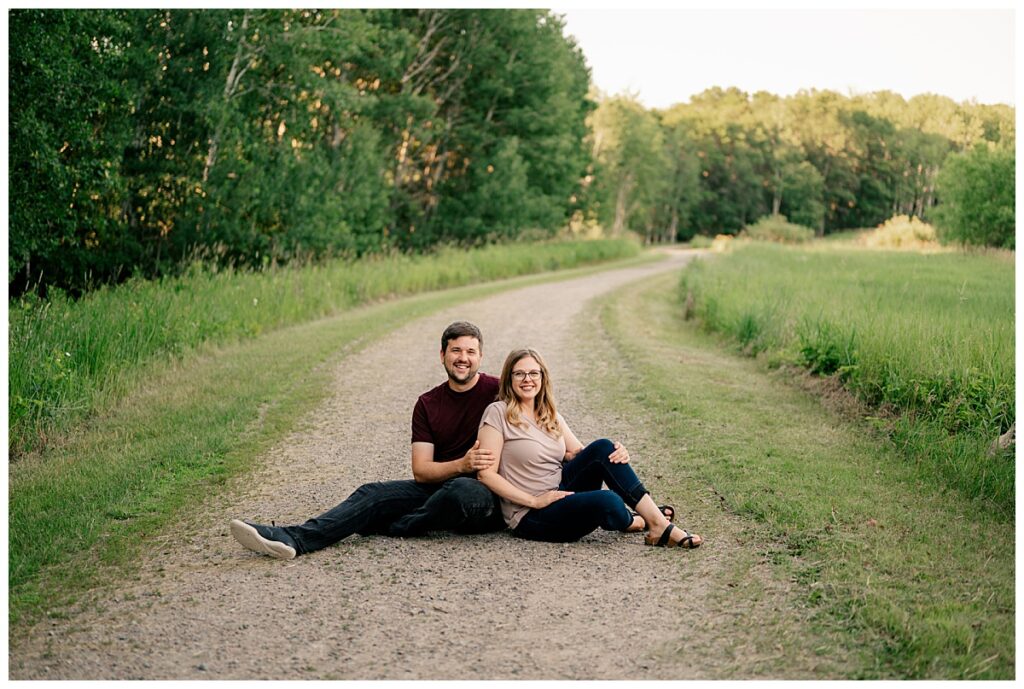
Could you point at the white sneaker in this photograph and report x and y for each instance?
(247, 535)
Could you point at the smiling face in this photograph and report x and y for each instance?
(527, 377)
(461, 360)
(525, 388)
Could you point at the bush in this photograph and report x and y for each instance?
(900, 232)
(699, 241)
(976, 198)
(775, 228)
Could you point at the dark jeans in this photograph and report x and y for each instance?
(574, 516)
(400, 508)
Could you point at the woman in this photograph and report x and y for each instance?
(549, 484)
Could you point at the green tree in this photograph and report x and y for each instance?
(803, 192)
(976, 192)
(518, 80)
(683, 192)
(70, 120)
(632, 167)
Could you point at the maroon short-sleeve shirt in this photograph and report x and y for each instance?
(449, 420)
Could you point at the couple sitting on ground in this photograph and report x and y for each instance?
(531, 472)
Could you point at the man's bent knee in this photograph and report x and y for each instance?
(467, 490)
(470, 498)
(370, 489)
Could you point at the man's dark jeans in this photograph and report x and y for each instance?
(399, 508)
(574, 516)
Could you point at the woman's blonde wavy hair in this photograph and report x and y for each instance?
(543, 404)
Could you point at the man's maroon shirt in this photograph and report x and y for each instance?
(450, 420)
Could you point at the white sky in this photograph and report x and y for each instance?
(664, 56)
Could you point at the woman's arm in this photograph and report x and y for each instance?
(490, 438)
(572, 443)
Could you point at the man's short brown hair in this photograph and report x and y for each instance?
(460, 329)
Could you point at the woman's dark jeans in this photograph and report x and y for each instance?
(574, 516)
(398, 508)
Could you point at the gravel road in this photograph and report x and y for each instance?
(444, 606)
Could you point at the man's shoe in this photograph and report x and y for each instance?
(251, 537)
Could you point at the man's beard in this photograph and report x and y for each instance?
(453, 375)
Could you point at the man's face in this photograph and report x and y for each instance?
(461, 359)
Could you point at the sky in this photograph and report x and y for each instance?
(664, 56)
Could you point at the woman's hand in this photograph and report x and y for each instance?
(544, 499)
(620, 455)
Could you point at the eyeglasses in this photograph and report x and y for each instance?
(521, 375)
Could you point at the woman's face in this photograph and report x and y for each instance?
(526, 378)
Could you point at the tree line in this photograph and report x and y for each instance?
(824, 160)
(144, 140)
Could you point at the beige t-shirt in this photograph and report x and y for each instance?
(531, 460)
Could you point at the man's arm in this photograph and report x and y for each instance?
(426, 470)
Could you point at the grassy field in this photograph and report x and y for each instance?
(191, 423)
(916, 579)
(67, 359)
(926, 340)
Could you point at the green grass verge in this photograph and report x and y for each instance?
(926, 338)
(920, 580)
(91, 502)
(67, 359)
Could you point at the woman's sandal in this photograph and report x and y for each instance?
(666, 542)
(668, 511)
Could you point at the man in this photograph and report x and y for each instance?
(444, 494)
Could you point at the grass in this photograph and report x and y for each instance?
(90, 502)
(919, 580)
(67, 359)
(926, 339)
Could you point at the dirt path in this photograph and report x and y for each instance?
(442, 607)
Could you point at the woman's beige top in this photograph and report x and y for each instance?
(531, 460)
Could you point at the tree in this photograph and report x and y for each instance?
(70, 120)
(631, 165)
(976, 197)
(683, 193)
(804, 189)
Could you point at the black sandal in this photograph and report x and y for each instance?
(666, 542)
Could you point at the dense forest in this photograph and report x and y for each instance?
(144, 140)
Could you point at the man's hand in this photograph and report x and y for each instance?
(544, 499)
(620, 455)
(477, 459)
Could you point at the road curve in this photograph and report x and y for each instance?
(441, 607)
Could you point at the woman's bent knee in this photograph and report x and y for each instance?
(603, 447)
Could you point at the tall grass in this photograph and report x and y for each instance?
(67, 356)
(926, 339)
(911, 579)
